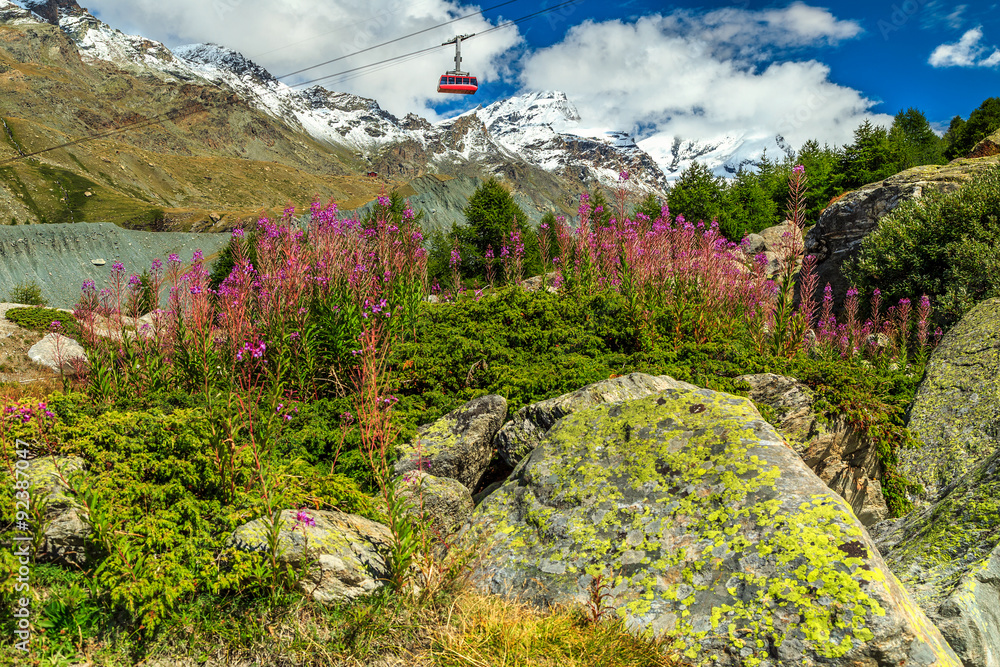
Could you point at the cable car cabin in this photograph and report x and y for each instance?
(462, 85)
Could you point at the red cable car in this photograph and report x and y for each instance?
(456, 81)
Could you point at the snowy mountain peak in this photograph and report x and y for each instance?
(53, 10)
(222, 58)
(548, 107)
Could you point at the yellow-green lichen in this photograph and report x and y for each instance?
(671, 480)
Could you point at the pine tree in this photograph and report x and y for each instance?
(697, 195)
(914, 140)
(491, 215)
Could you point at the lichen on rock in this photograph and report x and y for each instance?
(956, 412)
(713, 530)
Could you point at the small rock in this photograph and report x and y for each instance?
(56, 350)
(98, 262)
(88, 193)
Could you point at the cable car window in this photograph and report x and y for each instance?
(451, 80)
(444, 79)
(474, 83)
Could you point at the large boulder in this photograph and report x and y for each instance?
(346, 551)
(528, 427)
(709, 529)
(458, 445)
(956, 412)
(842, 456)
(843, 225)
(947, 555)
(56, 351)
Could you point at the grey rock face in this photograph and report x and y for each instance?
(459, 445)
(947, 555)
(345, 553)
(956, 413)
(523, 433)
(843, 458)
(708, 527)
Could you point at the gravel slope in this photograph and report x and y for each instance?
(59, 257)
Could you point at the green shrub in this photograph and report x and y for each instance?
(27, 293)
(41, 319)
(940, 245)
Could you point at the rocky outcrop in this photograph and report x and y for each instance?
(956, 413)
(706, 526)
(459, 445)
(988, 147)
(842, 457)
(947, 555)
(344, 554)
(836, 237)
(528, 427)
(444, 504)
(57, 352)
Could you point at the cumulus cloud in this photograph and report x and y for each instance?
(969, 51)
(734, 32)
(289, 35)
(673, 75)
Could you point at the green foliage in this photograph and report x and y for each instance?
(917, 144)
(697, 195)
(963, 136)
(871, 157)
(821, 166)
(650, 206)
(226, 260)
(28, 293)
(41, 319)
(940, 245)
(491, 215)
(750, 207)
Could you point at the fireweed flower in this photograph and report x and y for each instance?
(798, 169)
(118, 267)
(173, 258)
(623, 176)
(134, 281)
(237, 233)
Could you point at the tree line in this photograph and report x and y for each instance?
(749, 202)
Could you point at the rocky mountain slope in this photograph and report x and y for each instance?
(237, 140)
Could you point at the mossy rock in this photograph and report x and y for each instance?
(344, 553)
(946, 555)
(709, 529)
(520, 435)
(956, 413)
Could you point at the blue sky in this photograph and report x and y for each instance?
(688, 69)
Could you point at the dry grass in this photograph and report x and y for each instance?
(489, 631)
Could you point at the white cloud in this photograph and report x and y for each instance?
(966, 52)
(672, 75)
(292, 34)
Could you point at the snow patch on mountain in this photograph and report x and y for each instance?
(15, 13)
